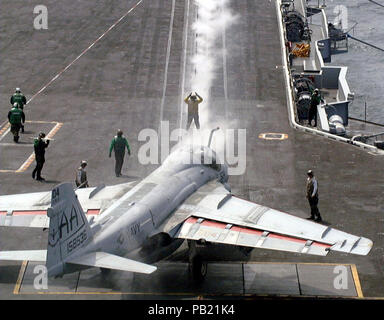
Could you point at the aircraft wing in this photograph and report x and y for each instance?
(30, 209)
(215, 215)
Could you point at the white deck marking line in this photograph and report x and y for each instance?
(6, 127)
(30, 159)
(167, 63)
(225, 74)
(185, 47)
(84, 52)
(17, 145)
(4, 131)
(4, 123)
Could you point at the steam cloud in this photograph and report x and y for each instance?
(212, 20)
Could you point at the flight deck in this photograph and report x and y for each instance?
(222, 280)
(108, 65)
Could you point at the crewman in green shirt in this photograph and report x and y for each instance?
(21, 101)
(16, 118)
(118, 144)
(312, 112)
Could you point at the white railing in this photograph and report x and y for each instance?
(343, 90)
(290, 98)
(324, 23)
(318, 58)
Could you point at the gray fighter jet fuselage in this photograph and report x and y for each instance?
(185, 198)
(130, 227)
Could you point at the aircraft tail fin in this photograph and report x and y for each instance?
(68, 228)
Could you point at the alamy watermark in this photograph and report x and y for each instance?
(229, 145)
(340, 282)
(41, 20)
(40, 282)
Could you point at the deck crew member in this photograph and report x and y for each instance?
(193, 100)
(81, 176)
(313, 196)
(312, 112)
(20, 99)
(118, 144)
(16, 118)
(39, 145)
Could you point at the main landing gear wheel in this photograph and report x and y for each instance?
(198, 268)
(105, 272)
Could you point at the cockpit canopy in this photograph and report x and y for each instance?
(190, 155)
(187, 156)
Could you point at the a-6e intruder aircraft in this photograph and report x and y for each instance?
(187, 197)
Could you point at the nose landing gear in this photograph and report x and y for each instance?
(197, 266)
